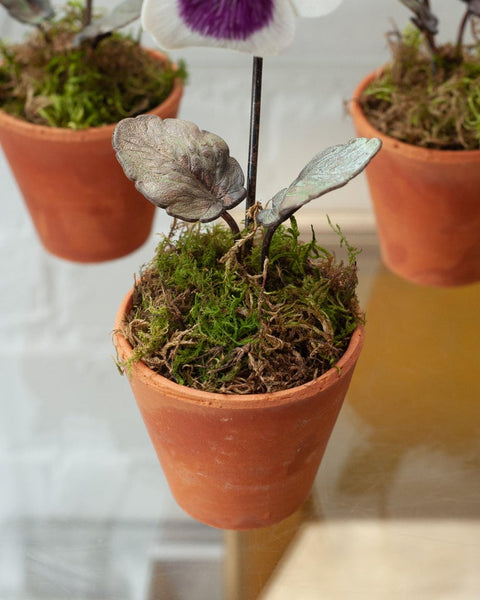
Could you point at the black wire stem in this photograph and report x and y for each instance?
(256, 101)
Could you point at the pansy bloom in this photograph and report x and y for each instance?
(257, 27)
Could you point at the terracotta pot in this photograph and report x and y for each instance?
(83, 207)
(427, 205)
(239, 461)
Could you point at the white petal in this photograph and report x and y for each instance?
(162, 20)
(314, 8)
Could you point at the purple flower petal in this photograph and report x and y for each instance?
(226, 19)
(258, 27)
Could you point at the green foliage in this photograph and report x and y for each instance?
(46, 81)
(382, 88)
(412, 37)
(204, 320)
(352, 251)
(70, 20)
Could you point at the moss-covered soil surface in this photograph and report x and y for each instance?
(206, 317)
(46, 81)
(425, 101)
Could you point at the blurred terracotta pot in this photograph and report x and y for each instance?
(82, 205)
(427, 205)
(239, 461)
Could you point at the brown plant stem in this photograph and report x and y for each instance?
(227, 217)
(44, 33)
(87, 15)
(256, 100)
(267, 240)
(430, 38)
(461, 31)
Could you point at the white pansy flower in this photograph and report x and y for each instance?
(257, 27)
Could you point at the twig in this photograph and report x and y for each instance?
(430, 38)
(262, 289)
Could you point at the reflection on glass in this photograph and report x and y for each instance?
(399, 489)
(416, 394)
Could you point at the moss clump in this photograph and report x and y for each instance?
(46, 81)
(204, 319)
(433, 103)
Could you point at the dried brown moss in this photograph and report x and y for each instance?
(433, 103)
(218, 325)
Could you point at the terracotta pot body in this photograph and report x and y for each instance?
(427, 206)
(239, 461)
(83, 206)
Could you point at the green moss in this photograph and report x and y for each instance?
(46, 81)
(433, 104)
(205, 320)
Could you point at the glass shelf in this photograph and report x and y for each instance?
(395, 510)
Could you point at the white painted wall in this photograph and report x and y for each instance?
(72, 444)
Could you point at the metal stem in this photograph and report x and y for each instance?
(227, 217)
(254, 135)
(461, 31)
(87, 15)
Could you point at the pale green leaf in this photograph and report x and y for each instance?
(328, 170)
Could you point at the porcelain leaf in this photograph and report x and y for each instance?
(31, 12)
(424, 19)
(328, 170)
(473, 6)
(124, 13)
(179, 167)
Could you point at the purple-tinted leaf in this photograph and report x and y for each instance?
(179, 167)
(473, 6)
(31, 12)
(328, 170)
(124, 13)
(424, 19)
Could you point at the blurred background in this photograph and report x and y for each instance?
(82, 497)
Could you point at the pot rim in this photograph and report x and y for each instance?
(341, 369)
(65, 134)
(410, 150)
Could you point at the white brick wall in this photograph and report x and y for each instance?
(71, 440)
